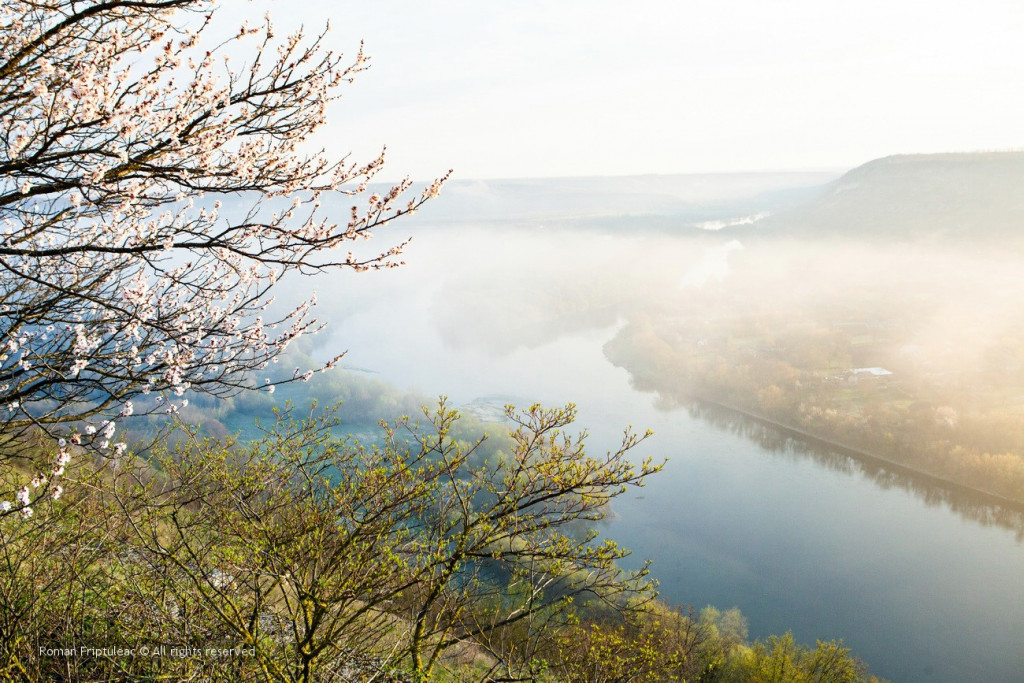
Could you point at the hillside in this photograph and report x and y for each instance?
(929, 199)
(680, 200)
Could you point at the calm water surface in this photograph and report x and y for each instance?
(917, 590)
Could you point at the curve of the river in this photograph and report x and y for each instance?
(923, 583)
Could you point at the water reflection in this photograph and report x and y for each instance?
(972, 505)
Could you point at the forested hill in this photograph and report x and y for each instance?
(975, 198)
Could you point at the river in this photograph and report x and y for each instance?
(923, 584)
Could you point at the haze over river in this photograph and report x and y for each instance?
(903, 572)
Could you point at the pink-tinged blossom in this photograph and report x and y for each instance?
(120, 122)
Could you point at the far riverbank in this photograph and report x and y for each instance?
(860, 454)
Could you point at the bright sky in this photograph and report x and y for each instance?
(524, 88)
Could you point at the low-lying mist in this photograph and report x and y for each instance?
(905, 351)
(501, 288)
(902, 346)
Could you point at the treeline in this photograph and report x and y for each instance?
(304, 556)
(965, 429)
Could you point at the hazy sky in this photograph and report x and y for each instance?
(595, 87)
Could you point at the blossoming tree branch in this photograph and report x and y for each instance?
(119, 130)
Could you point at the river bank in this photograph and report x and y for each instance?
(902, 468)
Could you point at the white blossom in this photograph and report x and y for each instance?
(139, 285)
